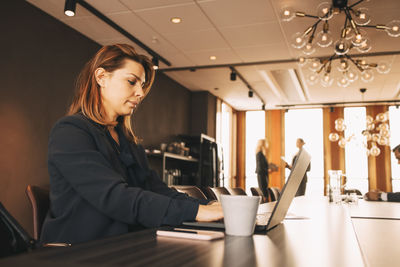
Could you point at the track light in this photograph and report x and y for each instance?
(69, 8)
(233, 75)
(155, 63)
(263, 107)
(250, 93)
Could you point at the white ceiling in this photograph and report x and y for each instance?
(237, 31)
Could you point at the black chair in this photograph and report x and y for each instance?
(274, 193)
(255, 191)
(39, 199)
(237, 191)
(14, 239)
(214, 193)
(190, 190)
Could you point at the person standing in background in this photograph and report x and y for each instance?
(262, 169)
(302, 188)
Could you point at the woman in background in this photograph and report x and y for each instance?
(100, 181)
(262, 168)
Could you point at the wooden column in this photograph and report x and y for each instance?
(275, 134)
(379, 168)
(334, 157)
(241, 150)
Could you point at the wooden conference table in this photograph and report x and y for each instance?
(329, 236)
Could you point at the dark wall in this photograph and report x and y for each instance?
(164, 113)
(203, 110)
(40, 60)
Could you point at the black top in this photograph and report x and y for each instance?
(261, 164)
(99, 188)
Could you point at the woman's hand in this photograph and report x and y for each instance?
(209, 213)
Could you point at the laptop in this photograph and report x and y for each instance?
(267, 221)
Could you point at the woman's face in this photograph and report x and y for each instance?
(299, 143)
(122, 89)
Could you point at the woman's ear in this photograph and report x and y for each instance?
(100, 75)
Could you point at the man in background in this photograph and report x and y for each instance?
(383, 196)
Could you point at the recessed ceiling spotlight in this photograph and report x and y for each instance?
(176, 20)
(213, 57)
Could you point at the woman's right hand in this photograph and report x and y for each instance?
(210, 213)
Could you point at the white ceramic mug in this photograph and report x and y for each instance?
(240, 214)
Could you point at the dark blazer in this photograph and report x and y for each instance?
(393, 197)
(98, 189)
(261, 164)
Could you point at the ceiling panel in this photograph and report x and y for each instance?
(255, 34)
(193, 19)
(228, 13)
(224, 56)
(136, 5)
(263, 53)
(107, 7)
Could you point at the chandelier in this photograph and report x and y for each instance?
(352, 36)
(377, 131)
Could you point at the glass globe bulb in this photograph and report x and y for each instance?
(370, 126)
(340, 127)
(365, 46)
(312, 78)
(314, 65)
(324, 39)
(393, 28)
(349, 33)
(369, 119)
(367, 135)
(309, 49)
(302, 61)
(375, 137)
(339, 121)
(359, 39)
(341, 47)
(351, 75)
(367, 76)
(333, 137)
(343, 65)
(383, 67)
(326, 80)
(375, 151)
(343, 82)
(287, 14)
(362, 16)
(324, 11)
(384, 133)
(298, 40)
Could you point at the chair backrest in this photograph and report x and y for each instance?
(273, 193)
(237, 191)
(214, 193)
(191, 190)
(39, 199)
(255, 191)
(352, 190)
(13, 238)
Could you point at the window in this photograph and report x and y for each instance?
(356, 159)
(394, 118)
(255, 130)
(224, 138)
(306, 124)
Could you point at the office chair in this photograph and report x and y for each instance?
(255, 191)
(39, 199)
(237, 191)
(214, 193)
(190, 190)
(274, 193)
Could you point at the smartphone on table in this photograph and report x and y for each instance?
(190, 233)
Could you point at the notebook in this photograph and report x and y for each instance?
(268, 220)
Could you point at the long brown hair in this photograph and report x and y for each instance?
(87, 98)
(262, 146)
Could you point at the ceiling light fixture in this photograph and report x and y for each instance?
(213, 57)
(176, 20)
(69, 8)
(233, 75)
(154, 60)
(352, 36)
(251, 93)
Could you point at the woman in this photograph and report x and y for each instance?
(262, 166)
(100, 181)
(302, 188)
